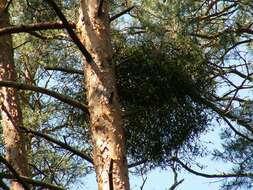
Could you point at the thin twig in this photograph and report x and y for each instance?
(224, 175)
(175, 185)
(236, 131)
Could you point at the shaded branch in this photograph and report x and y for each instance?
(244, 30)
(143, 183)
(136, 163)
(100, 8)
(220, 13)
(121, 13)
(248, 77)
(41, 184)
(34, 27)
(28, 28)
(37, 35)
(66, 70)
(63, 98)
(174, 186)
(59, 143)
(71, 32)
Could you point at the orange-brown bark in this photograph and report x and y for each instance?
(106, 127)
(14, 139)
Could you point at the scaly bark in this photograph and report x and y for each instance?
(14, 139)
(106, 123)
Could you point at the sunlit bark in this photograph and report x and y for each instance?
(106, 127)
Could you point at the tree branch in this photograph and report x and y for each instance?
(121, 13)
(34, 27)
(175, 185)
(27, 28)
(61, 144)
(224, 11)
(242, 30)
(236, 131)
(137, 163)
(33, 182)
(66, 70)
(223, 113)
(100, 8)
(176, 182)
(235, 45)
(71, 32)
(63, 98)
(224, 175)
(143, 183)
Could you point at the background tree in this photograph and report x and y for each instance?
(15, 142)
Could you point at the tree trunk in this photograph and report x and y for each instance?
(14, 139)
(105, 115)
